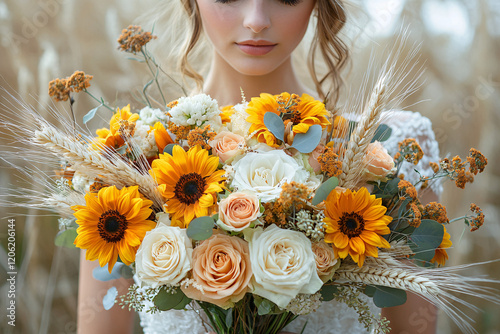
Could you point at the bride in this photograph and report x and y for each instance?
(252, 43)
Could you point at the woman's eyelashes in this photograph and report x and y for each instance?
(285, 2)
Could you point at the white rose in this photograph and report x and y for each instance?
(164, 257)
(265, 172)
(283, 264)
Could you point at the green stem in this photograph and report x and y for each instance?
(101, 101)
(155, 74)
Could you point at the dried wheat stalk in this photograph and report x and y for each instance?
(93, 164)
(360, 138)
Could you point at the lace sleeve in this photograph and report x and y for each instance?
(407, 124)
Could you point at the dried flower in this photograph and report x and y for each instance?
(133, 39)
(407, 189)
(180, 132)
(58, 90)
(435, 211)
(477, 161)
(330, 163)
(410, 151)
(201, 137)
(477, 220)
(78, 81)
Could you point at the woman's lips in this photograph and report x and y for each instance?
(256, 48)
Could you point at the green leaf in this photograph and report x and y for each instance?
(324, 190)
(426, 238)
(126, 272)
(168, 149)
(275, 125)
(388, 297)
(165, 300)
(307, 142)
(200, 228)
(382, 133)
(402, 208)
(328, 292)
(88, 116)
(66, 238)
(370, 290)
(265, 307)
(229, 318)
(110, 298)
(186, 300)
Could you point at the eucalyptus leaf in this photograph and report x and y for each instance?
(307, 142)
(110, 298)
(324, 190)
(165, 300)
(328, 292)
(66, 238)
(370, 291)
(426, 238)
(126, 272)
(265, 307)
(168, 149)
(200, 228)
(88, 116)
(382, 133)
(186, 300)
(229, 318)
(388, 297)
(275, 125)
(402, 208)
(103, 274)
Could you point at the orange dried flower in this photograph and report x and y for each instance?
(58, 90)
(201, 137)
(477, 220)
(181, 132)
(417, 215)
(133, 39)
(435, 211)
(126, 129)
(330, 163)
(434, 166)
(97, 185)
(78, 81)
(477, 161)
(410, 151)
(294, 196)
(408, 189)
(172, 104)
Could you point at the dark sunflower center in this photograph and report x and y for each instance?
(351, 224)
(112, 226)
(189, 188)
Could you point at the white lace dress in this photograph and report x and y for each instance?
(331, 317)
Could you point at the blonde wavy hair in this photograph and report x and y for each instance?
(183, 48)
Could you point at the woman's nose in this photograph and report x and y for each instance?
(256, 18)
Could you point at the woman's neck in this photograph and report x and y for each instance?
(223, 82)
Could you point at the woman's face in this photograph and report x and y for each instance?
(255, 36)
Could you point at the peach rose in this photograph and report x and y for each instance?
(237, 211)
(378, 162)
(221, 267)
(326, 263)
(313, 158)
(227, 145)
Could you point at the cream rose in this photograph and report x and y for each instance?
(264, 173)
(238, 211)
(227, 145)
(283, 264)
(164, 257)
(378, 162)
(221, 267)
(326, 263)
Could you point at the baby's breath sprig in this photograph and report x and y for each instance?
(350, 295)
(136, 299)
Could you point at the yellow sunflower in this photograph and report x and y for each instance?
(298, 113)
(111, 137)
(189, 181)
(113, 222)
(355, 222)
(440, 256)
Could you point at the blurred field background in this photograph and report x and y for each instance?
(44, 39)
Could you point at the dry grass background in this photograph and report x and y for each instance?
(44, 39)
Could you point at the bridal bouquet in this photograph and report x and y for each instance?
(255, 213)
